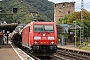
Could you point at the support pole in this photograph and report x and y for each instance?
(75, 34)
(63, 40)
(82, 24)
(7, 38)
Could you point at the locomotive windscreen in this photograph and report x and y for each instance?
(43, 28)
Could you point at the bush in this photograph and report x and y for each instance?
(78, 43)
(85, 48)
(85, 43)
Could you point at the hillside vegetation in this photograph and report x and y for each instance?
(43, 9)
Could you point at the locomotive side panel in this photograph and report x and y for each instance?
(31, 35)
(25, 37)
(55, 30)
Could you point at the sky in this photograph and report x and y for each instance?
(77, 4)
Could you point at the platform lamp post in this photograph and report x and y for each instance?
(63, 38)
(75, 32)
(7, 34)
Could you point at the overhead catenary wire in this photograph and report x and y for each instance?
(79, 8)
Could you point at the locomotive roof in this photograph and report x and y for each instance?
(36, 22)
(43, 22)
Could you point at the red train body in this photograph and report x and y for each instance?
(40, 36)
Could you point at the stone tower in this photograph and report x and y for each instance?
(62, 9)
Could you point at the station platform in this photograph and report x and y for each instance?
(7, 53)
(73, 48)
(10, 52)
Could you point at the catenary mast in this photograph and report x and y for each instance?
(82, 23)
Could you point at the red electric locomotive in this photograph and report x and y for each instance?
(40, 37)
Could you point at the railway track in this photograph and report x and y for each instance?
(29, 53)
(61, 55)
(66, 55)
(37, 57)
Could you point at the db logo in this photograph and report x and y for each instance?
(43, 38)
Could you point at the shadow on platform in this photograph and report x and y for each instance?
(6, 46)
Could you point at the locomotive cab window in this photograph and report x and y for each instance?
(43, 28)
(48, 28)
(38, 28)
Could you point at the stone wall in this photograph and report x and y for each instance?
(62, 9)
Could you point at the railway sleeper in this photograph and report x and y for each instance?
(74, 51)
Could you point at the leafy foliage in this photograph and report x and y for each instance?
(76, 16)
(86, 48)
(44, 8)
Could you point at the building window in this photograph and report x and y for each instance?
(60, 16)
(59, 19)
(55, 5)
(59, 11)
(69, 12)
(63, 4)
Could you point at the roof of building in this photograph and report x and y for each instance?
(73, 27)
(66, 2)
(8, 27)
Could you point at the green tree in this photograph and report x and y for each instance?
(25, 8)
(76, 16)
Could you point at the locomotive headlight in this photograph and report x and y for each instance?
(36, 42)
(52, 42)
(37, 38)
(50, 38)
